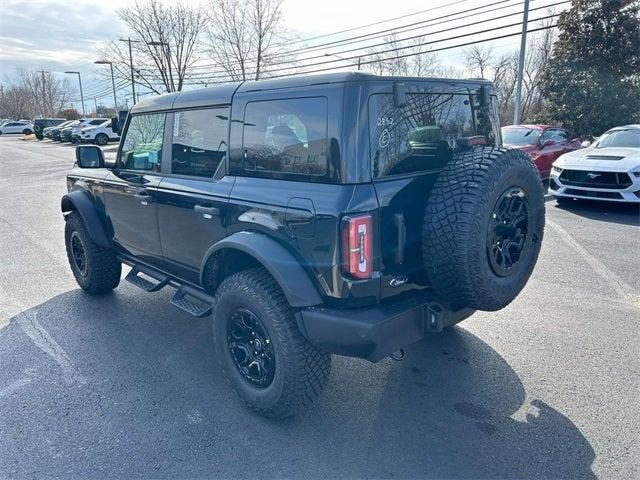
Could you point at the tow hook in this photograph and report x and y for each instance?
(398, 355)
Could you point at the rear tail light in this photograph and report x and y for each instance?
(357, 251)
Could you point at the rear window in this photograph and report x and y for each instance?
(286, 137)
(424, 133)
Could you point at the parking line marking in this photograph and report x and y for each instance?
(45, 342)
(622, 288)
(13, 386)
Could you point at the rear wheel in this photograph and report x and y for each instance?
(102, 139)
(483, 228)
(27, 131)
(272, 367)
(96, 269)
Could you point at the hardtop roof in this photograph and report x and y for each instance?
(222, 94)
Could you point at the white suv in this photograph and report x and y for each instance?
(84, 123)
(23, 126)
(100, 134)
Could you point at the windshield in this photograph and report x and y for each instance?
(520, 136)
(619, 139)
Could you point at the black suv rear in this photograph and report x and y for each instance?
(343, 213)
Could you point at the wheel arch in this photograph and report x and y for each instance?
(243, 250)
(81, 202)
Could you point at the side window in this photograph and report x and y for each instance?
(97, 122)
(556, 135)
(286, 137)
(142, 144)
(199, 142)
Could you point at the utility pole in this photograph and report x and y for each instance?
(81, 94)
(113, 82)
(95, 103)
(44, 103)
(523, 46)
(161, 44)
(133, 83)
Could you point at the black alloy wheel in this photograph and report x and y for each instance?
(79, 254)
(507, 231)
(251, 348)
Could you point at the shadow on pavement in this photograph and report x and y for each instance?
(145, 398)
(613, 212)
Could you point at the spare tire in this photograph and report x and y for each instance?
(483, 228)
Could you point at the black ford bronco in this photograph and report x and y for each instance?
(344, 214)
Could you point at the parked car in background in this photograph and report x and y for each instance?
(55, 131)
(39, 124)
(85, 122)
(543, 143)
(609, 169)
(23, 126)
(99, 134)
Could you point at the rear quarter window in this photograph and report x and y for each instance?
(285, 138)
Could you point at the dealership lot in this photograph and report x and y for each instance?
(125, 385)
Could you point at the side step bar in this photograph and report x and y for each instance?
(189, 299)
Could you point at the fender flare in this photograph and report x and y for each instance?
(281, 264)
(80, 201)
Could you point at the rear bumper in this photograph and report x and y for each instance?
(375, 332)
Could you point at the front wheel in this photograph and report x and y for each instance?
(26, 131)
(96, 269)
(272, 367)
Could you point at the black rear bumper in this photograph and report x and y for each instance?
(375, 332)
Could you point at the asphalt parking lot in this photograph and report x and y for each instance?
(124, 385)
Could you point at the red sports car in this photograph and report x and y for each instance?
(543, 143)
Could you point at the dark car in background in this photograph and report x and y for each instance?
(39, 124)
(54, 133)
(543, 143)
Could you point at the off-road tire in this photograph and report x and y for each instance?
(103, 269)
(301, 370)
(102, 139)
(457, 219)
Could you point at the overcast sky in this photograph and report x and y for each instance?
(59, 35)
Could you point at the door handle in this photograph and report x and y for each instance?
(144, 199)
(207, 212)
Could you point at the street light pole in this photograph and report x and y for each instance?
(172, 86)
(523, 46)
(113, 82)
(133, 83)
(81, 94)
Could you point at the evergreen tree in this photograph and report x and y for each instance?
(592, 81)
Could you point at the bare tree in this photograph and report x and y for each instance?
(479, 58)
(246, 38)
(31, 93)
(165, 43)
(408, 58)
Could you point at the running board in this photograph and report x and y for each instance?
(147, 285)
(192, 301)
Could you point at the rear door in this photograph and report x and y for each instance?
(409, 145)
(193, 196)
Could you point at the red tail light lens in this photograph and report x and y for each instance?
(357, 252)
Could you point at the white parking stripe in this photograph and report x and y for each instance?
(45, 342)
(622, 288)
(13, 386)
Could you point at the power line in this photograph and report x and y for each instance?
(396, 49)
(380, 33)
(397, 41)
(460, 45)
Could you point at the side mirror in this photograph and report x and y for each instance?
(114, 124)
(548, 143)
(585, 144)
(89, 156)
(399, 95)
